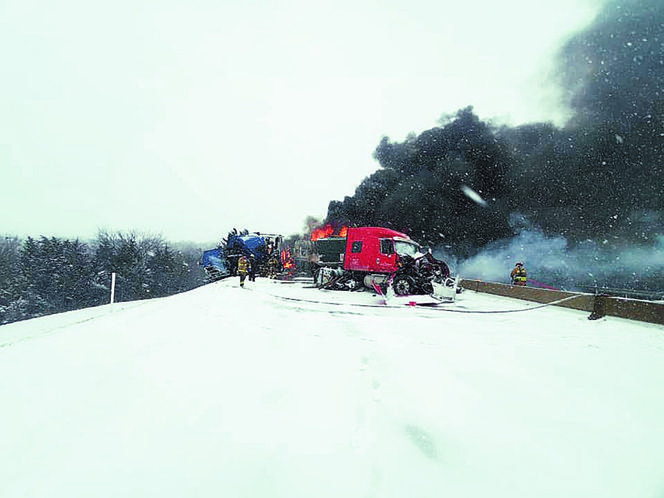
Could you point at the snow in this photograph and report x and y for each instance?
(474, 196)
(266, 391)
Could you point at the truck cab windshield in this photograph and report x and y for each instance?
(406, 248)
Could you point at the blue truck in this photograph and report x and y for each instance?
(263, 249)
(215, 264)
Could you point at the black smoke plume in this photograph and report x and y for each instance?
(587, 195)
(614, 70)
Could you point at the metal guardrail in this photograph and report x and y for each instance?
(627, 293)
(599, 304)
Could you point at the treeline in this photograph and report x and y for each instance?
(52, 275)
(466, 183)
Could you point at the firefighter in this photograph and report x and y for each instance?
(252, 268)
(243, 266)
(518, 275)
(272, 267)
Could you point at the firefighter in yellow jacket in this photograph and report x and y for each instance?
(518, 275)
(243, 265)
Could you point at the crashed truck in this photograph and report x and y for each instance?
(381, 259)
(265, 249)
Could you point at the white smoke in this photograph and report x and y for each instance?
(555, 262)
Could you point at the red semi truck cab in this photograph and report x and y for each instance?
(375, 249)
(376, 256)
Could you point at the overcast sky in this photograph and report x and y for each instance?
(188, 118)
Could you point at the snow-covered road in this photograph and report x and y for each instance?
(234, 392)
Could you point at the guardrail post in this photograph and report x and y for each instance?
(599, 307)
(112, 287)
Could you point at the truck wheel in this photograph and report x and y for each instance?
(403, 286)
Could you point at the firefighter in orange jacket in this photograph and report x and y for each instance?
(518, 275)
(243, 265)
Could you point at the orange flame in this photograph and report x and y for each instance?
(287, 261)
(328, 231)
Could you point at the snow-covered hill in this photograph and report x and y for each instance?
(229, 392)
